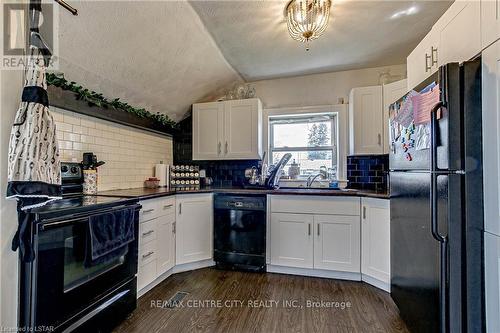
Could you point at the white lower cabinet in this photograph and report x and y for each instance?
(336, 243)
(165, 243)
(156, 239)
(194, 228)
(375, 242)
(315, 241)
(292, 241)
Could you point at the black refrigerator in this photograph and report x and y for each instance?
(437, 212)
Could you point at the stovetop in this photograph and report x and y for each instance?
(80, 204)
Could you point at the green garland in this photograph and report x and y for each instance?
(95, 99)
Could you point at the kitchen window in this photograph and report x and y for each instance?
(311, 139)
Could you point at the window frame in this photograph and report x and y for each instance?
(307, 117)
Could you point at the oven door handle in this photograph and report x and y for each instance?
(58, 222)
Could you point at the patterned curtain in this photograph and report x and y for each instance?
(34, 171)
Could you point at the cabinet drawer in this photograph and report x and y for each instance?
(147, 231)
(146, 274)
(149, 210)
(315, 205)
(153, 208)
(166, 206)
(147, 253)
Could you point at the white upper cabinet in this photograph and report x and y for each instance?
(456, 37)
(423, 60)
(227, 130)
(243, 129)
(491, 137)
(208, 131)
(490, 22)
(194, 228)
(366, 120)
(376, 240)
(459, 32)
(392, 92)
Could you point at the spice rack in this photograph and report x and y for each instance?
(185, 177)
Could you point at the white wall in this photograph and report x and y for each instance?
(321, 93)
(321, 89)
(10, 89)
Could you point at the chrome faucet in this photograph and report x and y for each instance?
(310, 180)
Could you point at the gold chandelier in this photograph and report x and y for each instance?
(307, 19)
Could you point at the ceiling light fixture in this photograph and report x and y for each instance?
(307, 19)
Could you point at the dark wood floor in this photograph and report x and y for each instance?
(372, 310)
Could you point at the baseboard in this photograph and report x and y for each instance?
(376, 283)
(314, 273)
(174, 270)
(193, 265)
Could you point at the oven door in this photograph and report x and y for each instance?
(65, 286)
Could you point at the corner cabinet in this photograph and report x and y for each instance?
(366, 121)
(228, 130)
(375, 242)
(194, 228)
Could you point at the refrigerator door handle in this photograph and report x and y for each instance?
(442, 239)
(434, 127)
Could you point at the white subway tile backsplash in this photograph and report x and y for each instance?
(130, 154)
(71, 137)
(73, 120)
(63, 127)
(87, 123)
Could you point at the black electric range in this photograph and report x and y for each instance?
(59, 289)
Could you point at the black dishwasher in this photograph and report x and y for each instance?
(240, 231)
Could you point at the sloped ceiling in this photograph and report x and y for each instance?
(166, 55)
(254, 39)
(156, 55)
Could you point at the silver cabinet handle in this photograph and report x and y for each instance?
(434, 60)
(148, 232)
(318, 229)
(147, 254)
(180, 208)
(226, 148)
(219, 149)
(148, 210)
(364, 212)
(173, 228)
(168, 206)
(379, 139)
(309, 229)
(427, 58)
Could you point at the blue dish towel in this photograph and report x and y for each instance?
(109, 235)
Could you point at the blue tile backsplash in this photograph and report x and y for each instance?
(368, 172)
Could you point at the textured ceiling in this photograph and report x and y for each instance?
(152, 54)
(253, 35)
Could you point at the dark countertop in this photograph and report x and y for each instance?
(147, 193)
